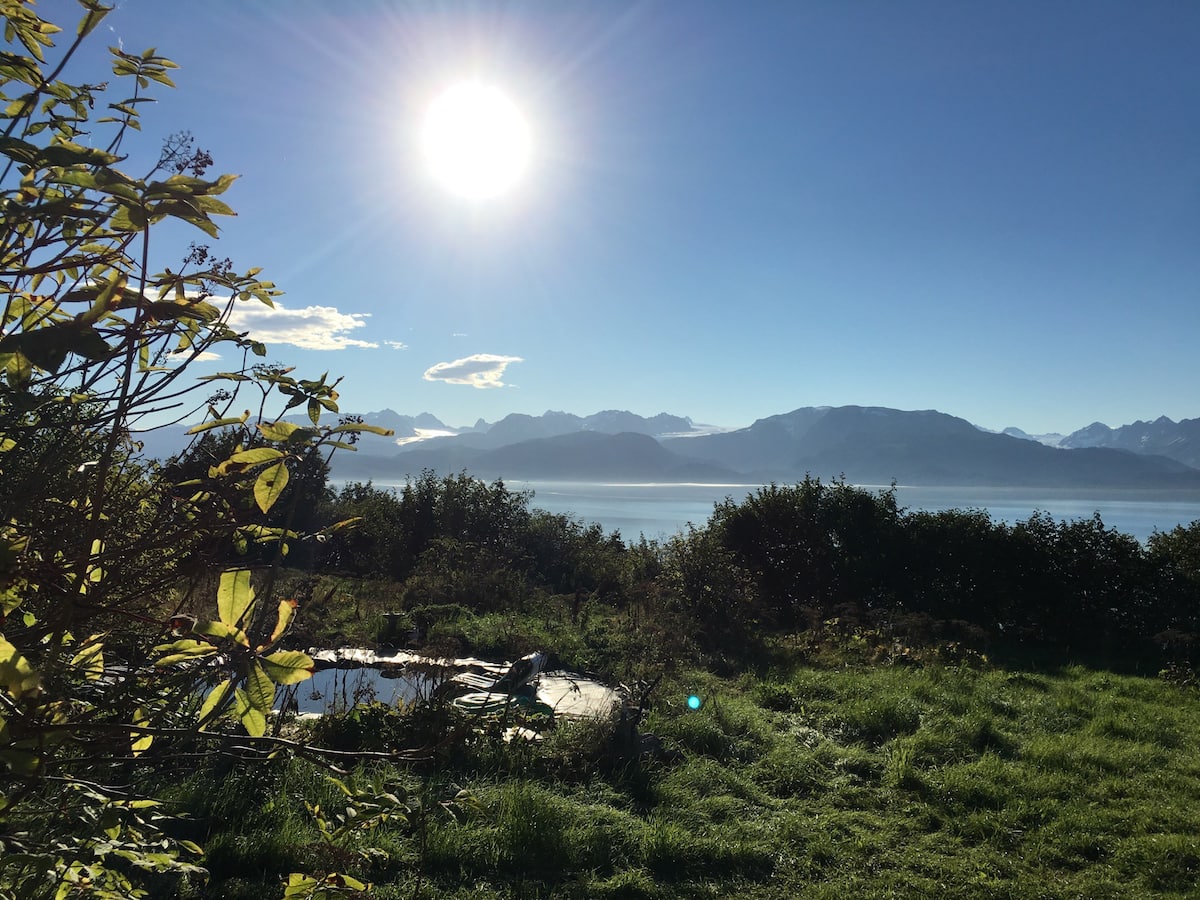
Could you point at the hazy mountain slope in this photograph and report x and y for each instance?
(518, 427)
(1164, 437)
(878, 445)
(872, 445)
(578, 456)
(1051, 439)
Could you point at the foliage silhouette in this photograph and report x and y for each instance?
(101, 552)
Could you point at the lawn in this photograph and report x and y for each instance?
(885, 781)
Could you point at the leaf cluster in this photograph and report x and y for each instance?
(103, 553)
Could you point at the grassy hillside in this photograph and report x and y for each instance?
(884, 781)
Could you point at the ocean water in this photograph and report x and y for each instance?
(661, 510)
(658, 510)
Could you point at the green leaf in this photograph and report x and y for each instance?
(277, 431)
(46, 347)
(183, 651)
(221, 631)
(287, 612)
(253, 719)
(91, 19)
(217, 423)
(353, 427)
(254, 456)
(18, 367)
(140, 741)
(90, 660)
(260, 690)
(169, 309)
(270, 485)
(288, 666)
(215, 207)
(235, 597)
(20, 762)
(300, 887)
(17, 676)
(129, 218)
(347, 882)
(214, 701)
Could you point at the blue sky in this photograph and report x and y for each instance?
(733, 210)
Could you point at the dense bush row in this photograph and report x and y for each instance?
(813, 551)
(788, 559)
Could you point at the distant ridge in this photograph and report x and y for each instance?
(1052, 439)
(1164, 437)
(578, 456)
(877, 445)
(866, 444)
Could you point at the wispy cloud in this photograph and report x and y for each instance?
(483, 370)
(397, 345)
(310, 327)
(186, 356)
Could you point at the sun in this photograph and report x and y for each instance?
(476, 141)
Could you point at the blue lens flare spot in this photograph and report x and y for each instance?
(693, 702)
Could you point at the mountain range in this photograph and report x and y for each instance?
(868, 445)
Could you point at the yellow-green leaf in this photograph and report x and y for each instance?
(216, 423)
(214, 701)
(362, 426)
(181, 651)
(90, 660)
(288, 666)
(300, 887)
(253, 719)
(255, 456)
(140, 741)
(287, 612)
(17, 676)
(277, 431)
(260, 690)
(235, 597)
(95, 574)
(221, 631)
(270, 484)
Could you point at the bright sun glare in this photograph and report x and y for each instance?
(476, 141)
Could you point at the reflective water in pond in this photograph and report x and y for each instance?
(339, 689)
(336, 690)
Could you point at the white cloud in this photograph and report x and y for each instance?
(483, 370)
(185, 355)
(397, 345)
(311, 327)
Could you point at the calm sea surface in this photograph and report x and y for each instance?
(660, 510)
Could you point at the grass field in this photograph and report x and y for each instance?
(854, 782)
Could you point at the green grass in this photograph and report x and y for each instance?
(870, 782)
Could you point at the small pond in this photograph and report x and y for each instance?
(347, 677)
